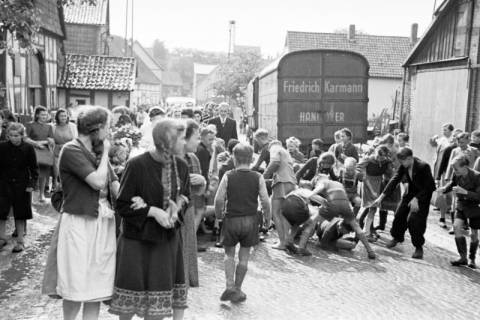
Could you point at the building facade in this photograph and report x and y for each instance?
(442, 75)
(30, 78)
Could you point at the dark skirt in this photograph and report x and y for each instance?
(16, 196)
(150, 279)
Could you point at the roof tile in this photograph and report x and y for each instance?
(84, 13)
(98, 73)
(385, 54)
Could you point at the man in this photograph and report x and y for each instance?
(203, 153)
(155, 114)
(442, 143)
(466, 185)
(412, 211)
(226, 127)
(402, 139)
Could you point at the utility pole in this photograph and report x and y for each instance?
(231, 40)
(125, 50)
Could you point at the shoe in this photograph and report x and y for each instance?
(392, 243)
(261, 238)
(219, 244)
(290, 247)
(238, 296)
(442, 223)
(303, 252)
(459, 262)
(201, 248)
(227, 294)
(472, 264)
(451, 231)
(18, 248)
(418, 254)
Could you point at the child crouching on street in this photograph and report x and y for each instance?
(18, 176)
(236, 203)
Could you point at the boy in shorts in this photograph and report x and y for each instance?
(236, 203)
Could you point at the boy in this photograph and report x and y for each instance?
(237, 202)
(316, 148)
(18, 176)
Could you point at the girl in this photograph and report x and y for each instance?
(18, 175)
(373, 168)
(280, 169)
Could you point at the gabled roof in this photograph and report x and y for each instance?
(49, 16)
(172, 78)
(200, 68)
(385, 54)
(438, 14)
(98, 73)
(144, 73)
(84, 13)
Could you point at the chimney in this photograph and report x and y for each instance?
(413, 33)
(351, 33)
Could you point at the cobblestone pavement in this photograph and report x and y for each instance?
(327, 285)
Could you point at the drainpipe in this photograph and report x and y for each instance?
(472, 74)
(400, 116)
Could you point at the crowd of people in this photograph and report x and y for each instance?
(134, 190)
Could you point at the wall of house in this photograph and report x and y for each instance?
(147, 94)
(83, 39)
(438, 97)
(381, 95)
(101, 98)
(121, 98)
(171, 91)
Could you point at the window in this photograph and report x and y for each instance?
(460, 45)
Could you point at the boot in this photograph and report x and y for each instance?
(473, 253)
(383, 220)
(240, 273)
(462, 250)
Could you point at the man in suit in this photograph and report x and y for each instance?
(412, 212)
(226, 127)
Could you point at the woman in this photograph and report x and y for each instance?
(40, 136)
(86, 235)
(373, 168)
(293, 145)
(150, 279)
(63, 132)
(198, 183)
(284, 181)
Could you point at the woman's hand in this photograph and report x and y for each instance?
(162, 217)
(138, 203)
(173, 210)
(106, 146)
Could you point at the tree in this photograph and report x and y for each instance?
(235, 73)
(160, 53)
(21, 18)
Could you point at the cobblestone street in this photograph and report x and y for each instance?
(327, 285)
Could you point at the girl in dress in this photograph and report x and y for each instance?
(150, 279)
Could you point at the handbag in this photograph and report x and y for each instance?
(45, 157)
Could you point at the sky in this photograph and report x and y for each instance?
(203, 24)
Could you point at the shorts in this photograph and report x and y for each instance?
(328, 232)
(243, 230)
(295, 210)
(474, 223)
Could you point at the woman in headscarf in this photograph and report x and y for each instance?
(150, 279)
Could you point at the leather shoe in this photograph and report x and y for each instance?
(459, 262)
(392, 243)
(418, 254)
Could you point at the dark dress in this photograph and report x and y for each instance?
(150, 279)
(37, 132)
(18, 171)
